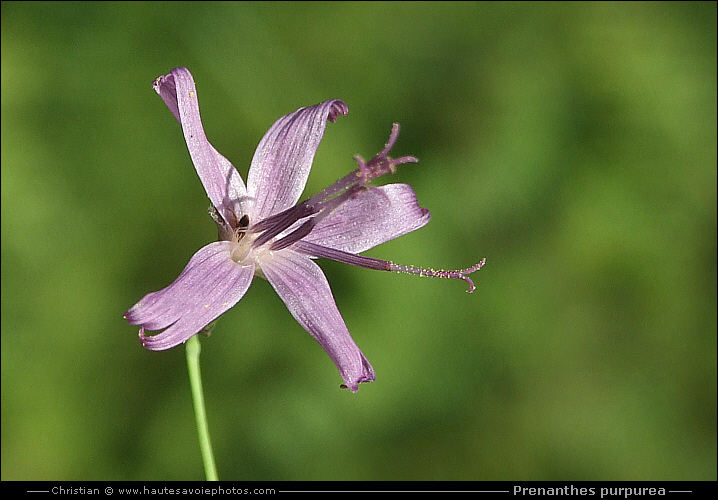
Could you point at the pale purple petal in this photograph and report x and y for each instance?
(284, 157)
(210, 284)
(220, 179)
(373, 217)
(305, 290)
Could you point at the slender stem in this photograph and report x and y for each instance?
(195, 378)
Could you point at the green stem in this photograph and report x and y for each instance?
(195, 378)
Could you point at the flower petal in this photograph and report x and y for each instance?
(220, 179)
(210, 284)
(373, 217)
(284, 157)
(304, 289)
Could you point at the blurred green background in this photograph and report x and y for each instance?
(571, 144)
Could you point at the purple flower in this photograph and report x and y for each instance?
(264, 232)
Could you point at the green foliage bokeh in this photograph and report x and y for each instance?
(571, 144)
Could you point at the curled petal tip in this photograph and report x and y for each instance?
(141, 335)
(355, 387)
(339, 108)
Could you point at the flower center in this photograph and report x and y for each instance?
(242, 252)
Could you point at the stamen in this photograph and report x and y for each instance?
(330, 198)
(441, 273)
(392, 139)
(292, 237)
(382, 164)
(325, 208)
(319, 251)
